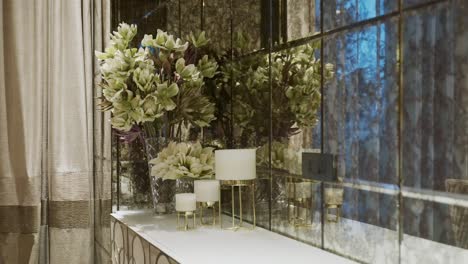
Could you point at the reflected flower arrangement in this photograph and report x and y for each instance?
(295, 91)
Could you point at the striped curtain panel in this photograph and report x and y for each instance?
(47, 130)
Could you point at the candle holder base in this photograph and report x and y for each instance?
(241, 184)
(212, 206)
(334, 218)
(299, 223)
(297, 205)
(186, 216)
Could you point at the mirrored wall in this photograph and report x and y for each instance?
(380, 85)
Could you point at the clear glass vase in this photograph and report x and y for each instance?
(184, 185)
(162, 191)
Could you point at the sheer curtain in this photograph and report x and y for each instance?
(46, 129)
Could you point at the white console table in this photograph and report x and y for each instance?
(141, 237)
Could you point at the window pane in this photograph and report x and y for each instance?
(339, 13)
(295, 116)
(361, 128)
(434, 143)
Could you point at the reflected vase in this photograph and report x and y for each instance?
(458, 214)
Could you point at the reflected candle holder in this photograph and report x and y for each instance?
(299, 196)
(333, 201)
(237, 168)
(208, 197)
(185, 207)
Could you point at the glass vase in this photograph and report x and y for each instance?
(162, 190)
(184, 185)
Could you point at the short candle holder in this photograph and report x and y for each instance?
(329, 208)
(240, 184)
(210, 206)
(208, 197)
(185, 206)
(186, 216)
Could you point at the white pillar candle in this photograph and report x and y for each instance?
(207, 190)
(185, 202)
(303, 190)
(333, 196)
(235, 164)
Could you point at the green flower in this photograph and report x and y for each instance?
(121, 121)
(139, 86)
(165, 92)
(148, 41)
(131, 105)
(126, 31)
(123, 36)
(108, 53)
(144, 79)
(111, 88)
(198, 41)
(151, 108)
(120, 67)
(186, 72)
(167, 43)
(207, 67)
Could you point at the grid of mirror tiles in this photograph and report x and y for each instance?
(380, 84)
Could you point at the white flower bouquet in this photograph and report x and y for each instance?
(183, 160)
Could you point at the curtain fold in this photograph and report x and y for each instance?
(47, 130)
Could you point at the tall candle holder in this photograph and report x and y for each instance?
(208, 197)
(186, 215)
(237, 168)
(240, 184)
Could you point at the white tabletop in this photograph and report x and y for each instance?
(210, 245)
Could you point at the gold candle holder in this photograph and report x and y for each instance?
(210, 205)
(208, 196)
(337, 208)
(186, 216)
(240, 184)
(298, 200)
(297, 221)
(333, 201)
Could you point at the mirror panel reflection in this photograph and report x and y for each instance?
(360, 117)
(341, 13)
(435, 153)
(396, 135)
(295, 117)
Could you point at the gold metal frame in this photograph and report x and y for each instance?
(297, 204)
(337, 208)
(240, 185)
(212, 206)
(186, 215)
(296, 220)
